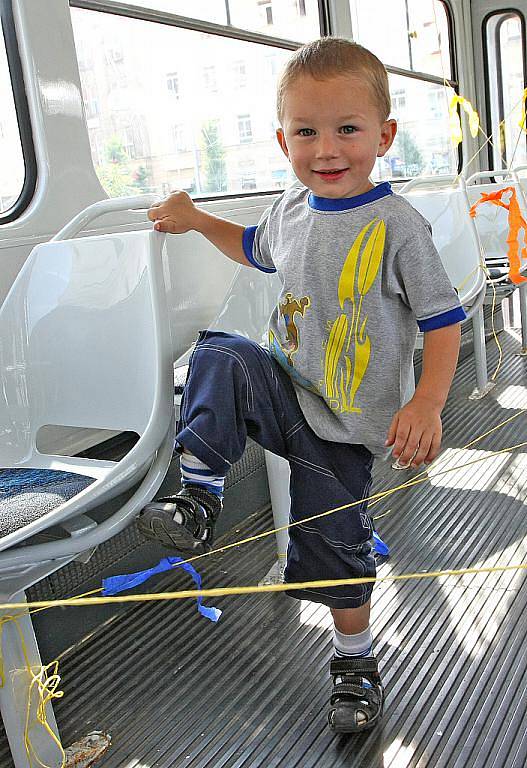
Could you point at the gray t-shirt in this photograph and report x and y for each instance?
(359, 276)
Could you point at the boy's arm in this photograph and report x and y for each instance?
(417, 426)
(178, 214)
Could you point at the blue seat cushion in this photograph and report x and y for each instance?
(28, 494)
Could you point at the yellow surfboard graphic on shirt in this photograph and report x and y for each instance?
(348, 347)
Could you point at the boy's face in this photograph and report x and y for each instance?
(332, 131)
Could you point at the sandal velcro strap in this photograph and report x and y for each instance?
(348, 688)
(354, 666)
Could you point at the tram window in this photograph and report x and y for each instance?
(291, 19)
(506, 78)
(165, 110)
(422, 144)
(414, 34)
(11, 158)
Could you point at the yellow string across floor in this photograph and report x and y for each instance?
(83, 600)
(255, 589)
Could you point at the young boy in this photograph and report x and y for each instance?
(358, 268)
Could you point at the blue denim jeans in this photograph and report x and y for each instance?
(235, 389)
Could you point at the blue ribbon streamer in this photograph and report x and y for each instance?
(380, 546)
(114, 584)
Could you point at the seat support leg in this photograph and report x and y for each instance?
(278, 477)
(483, 385)
(522, 297)
(15, 692)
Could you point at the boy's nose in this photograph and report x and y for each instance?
(326, 146)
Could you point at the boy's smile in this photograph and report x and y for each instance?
(332, 131)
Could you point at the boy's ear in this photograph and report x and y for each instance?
(388, 131)
(281, 140)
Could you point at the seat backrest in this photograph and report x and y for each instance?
(248, 304)
(454, 236)
(84, 340)
(246, 308)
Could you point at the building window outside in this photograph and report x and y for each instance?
(128, 142)
(173, 84)
(209, 77)
(436, 101)
(248, 183)
(179, 138)
(240, 74)
(245, 132)
(267, 10)
(398, 100)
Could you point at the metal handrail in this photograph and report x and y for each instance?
(110, 205)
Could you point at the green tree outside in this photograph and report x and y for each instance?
(214, 159)
(141, 179)
(409, 153)
(115, 174)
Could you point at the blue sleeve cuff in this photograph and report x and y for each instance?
(451, 317)
(248, 243)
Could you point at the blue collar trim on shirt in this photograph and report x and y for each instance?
(346, 203)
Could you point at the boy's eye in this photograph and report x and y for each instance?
(348, 129)
(306, 132)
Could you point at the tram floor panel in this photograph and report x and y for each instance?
(173, 689)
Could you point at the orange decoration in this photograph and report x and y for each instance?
(516, 222)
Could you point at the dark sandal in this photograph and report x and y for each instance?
(349, 697)
(199, 510)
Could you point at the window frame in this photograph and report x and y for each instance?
(14, 63)
(504, 13)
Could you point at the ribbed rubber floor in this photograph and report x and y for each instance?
(174, 690)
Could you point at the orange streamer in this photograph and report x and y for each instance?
(516, 223)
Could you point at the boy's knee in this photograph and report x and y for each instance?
(227, 349)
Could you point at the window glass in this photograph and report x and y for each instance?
(505, 72)
(11, 159)
(422, 145)
(169, 108)
(290, 19)
(413, 35)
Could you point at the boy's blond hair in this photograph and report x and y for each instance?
(331, 56)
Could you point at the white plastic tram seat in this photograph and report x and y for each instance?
(443, 201)
(493, 228)
(84, 342)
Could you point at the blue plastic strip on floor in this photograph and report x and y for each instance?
(114, 584)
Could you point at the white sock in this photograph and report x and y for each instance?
(353, 645)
